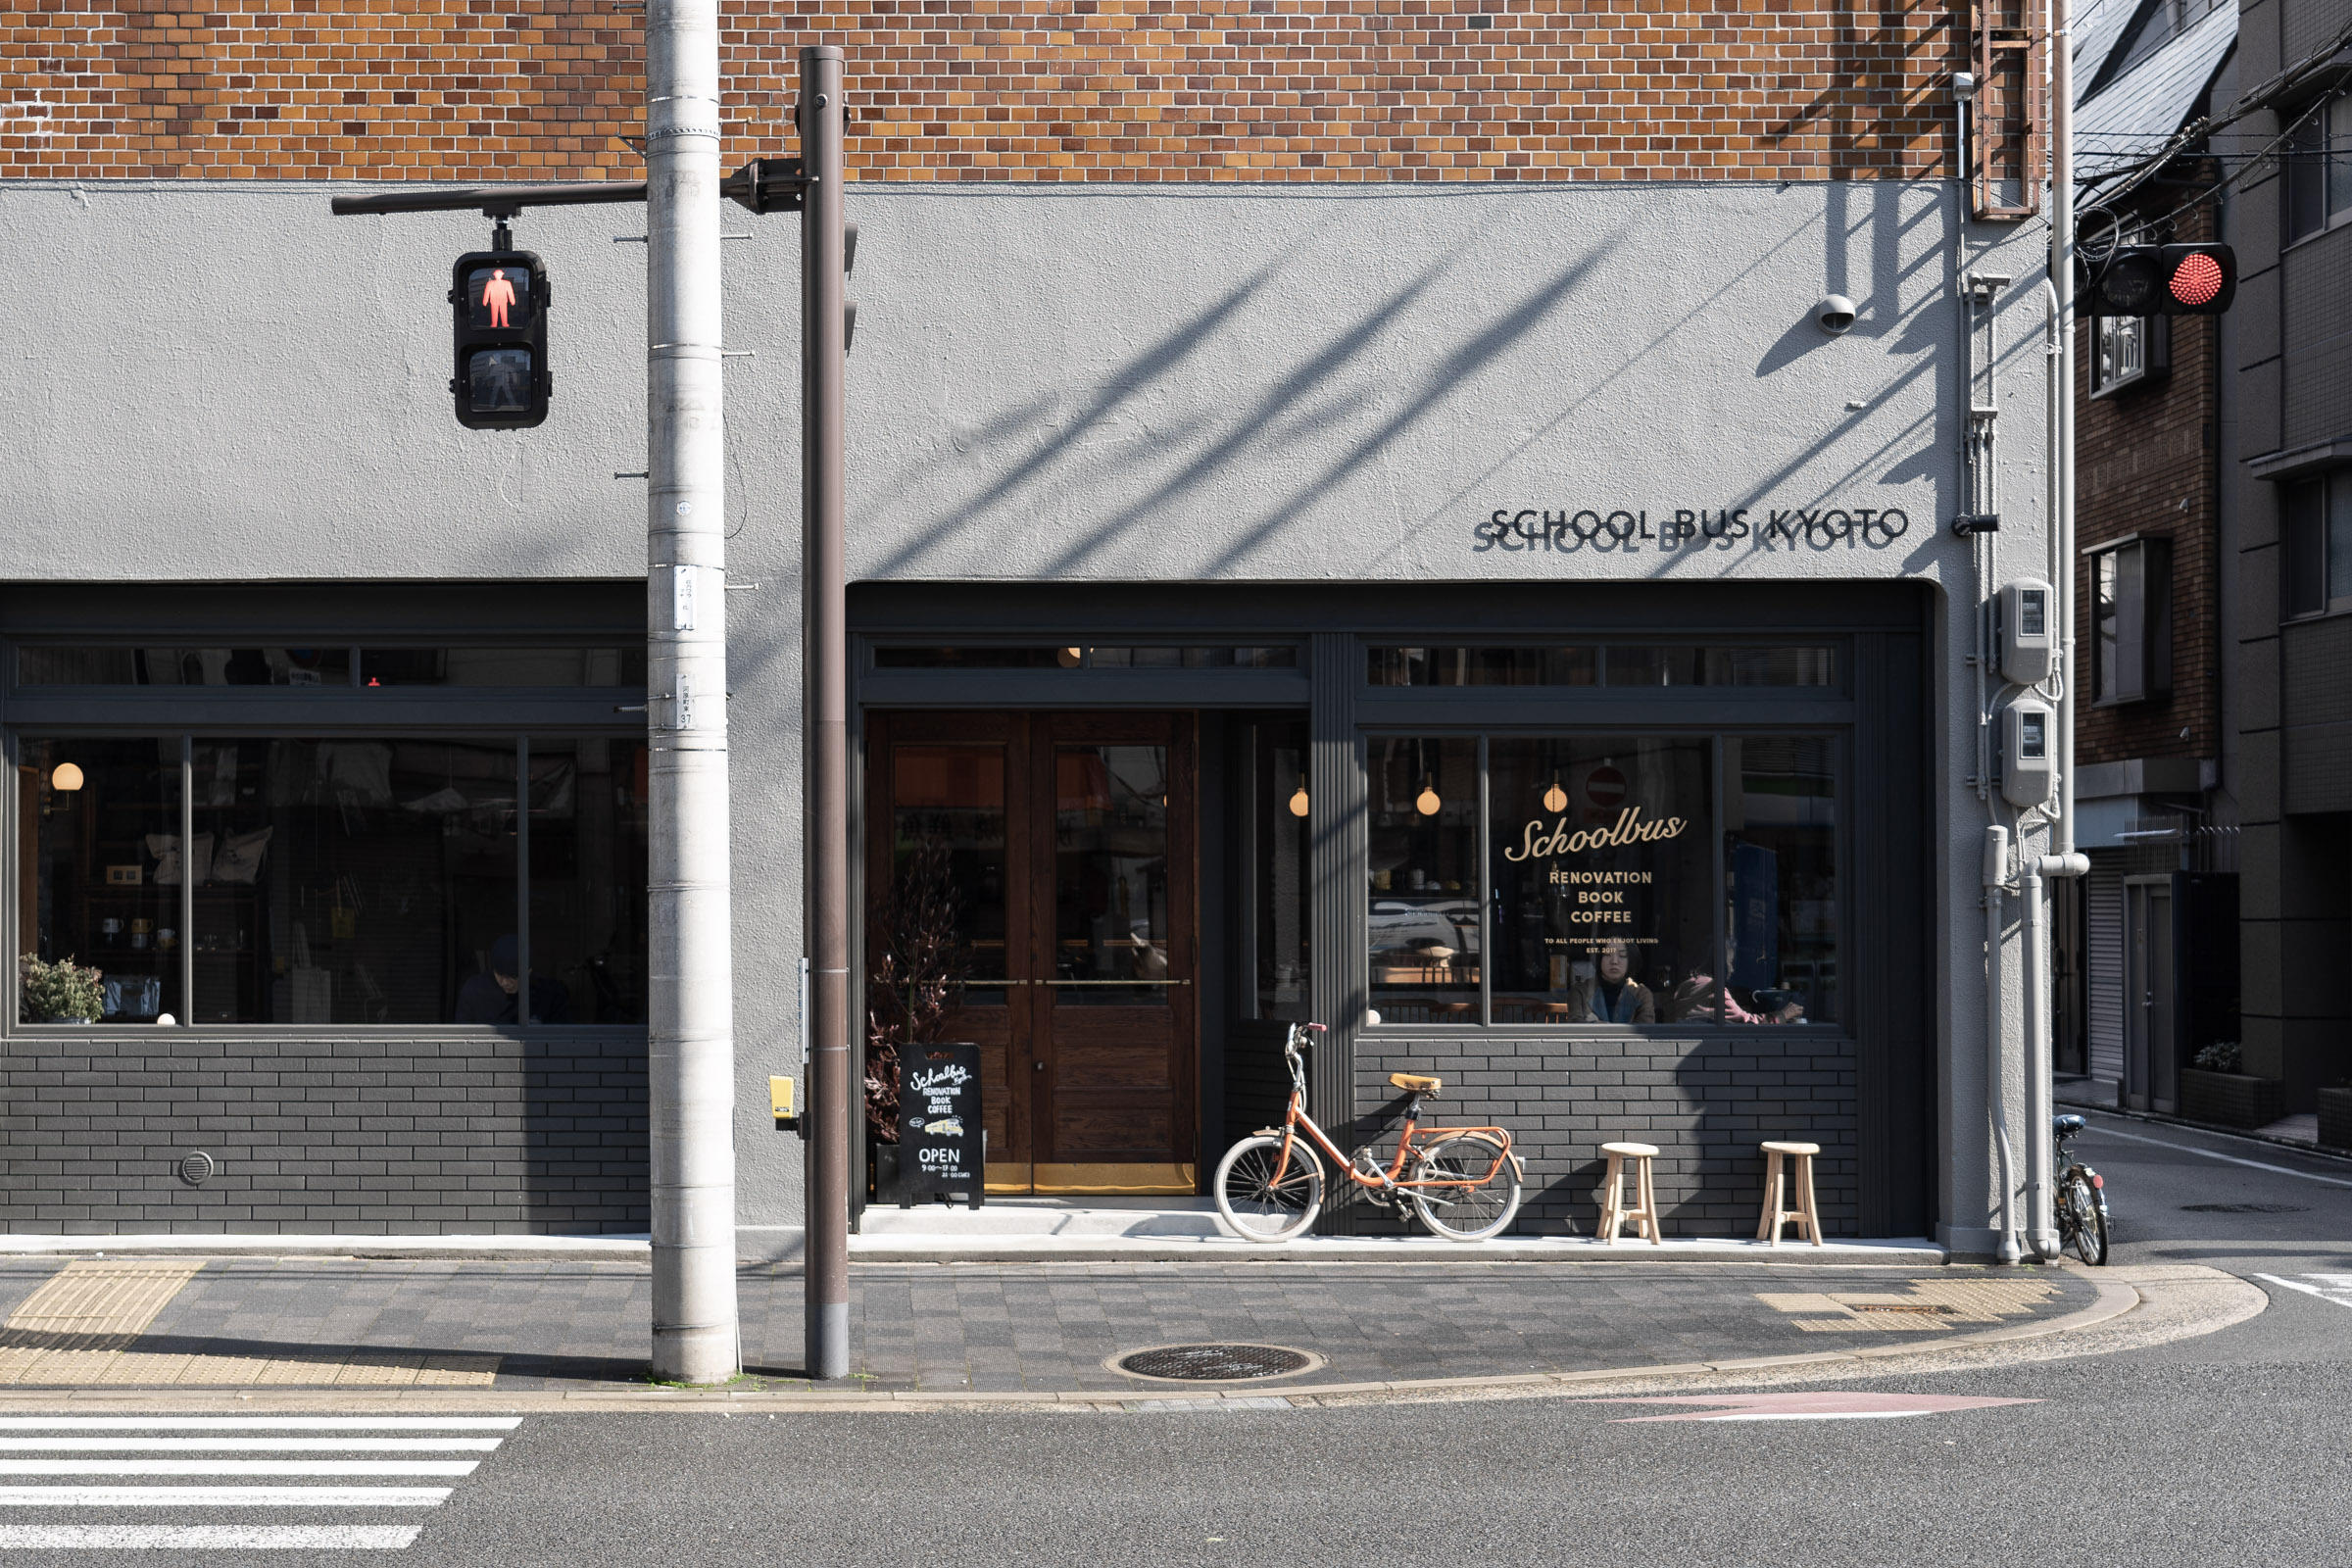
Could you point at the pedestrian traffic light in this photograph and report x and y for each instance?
(498, 300)
(2163, 280)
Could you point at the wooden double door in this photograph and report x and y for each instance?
(1056, 852)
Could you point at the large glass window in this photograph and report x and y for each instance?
(1426, 888)
(1111, 919)
(1277, 818)
(1606, 665)
(1627, 879)
(1780, 856)
(100, 883)
(2319, 545)
(370, 880)
(2318, 167)
(1602, 857)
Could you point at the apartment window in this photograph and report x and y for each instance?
(2132, 622)
(2125, 350)
(1610, 879)
(2319, 167)
(2319, 545)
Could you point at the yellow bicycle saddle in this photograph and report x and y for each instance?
(1413, 1083)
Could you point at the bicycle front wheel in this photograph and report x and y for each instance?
(1479, 1190)
(2083, 1227)
(1265, 1196)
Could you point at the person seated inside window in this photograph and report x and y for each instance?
(1612, 995)
(491, 997)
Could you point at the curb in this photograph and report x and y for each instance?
(2114, 1299)
(332, 1249)
(1903, 1253)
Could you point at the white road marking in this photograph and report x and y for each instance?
(2339, 1294)
(224, 1496)
(242, 1423)
(214, 1538)
(2231, 1159)
(79, 1444)
(237, 1467)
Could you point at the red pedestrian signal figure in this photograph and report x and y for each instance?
(498, 300)
(497, 295)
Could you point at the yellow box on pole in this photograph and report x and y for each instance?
(779, 1099)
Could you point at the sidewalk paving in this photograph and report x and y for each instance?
(582, 1325)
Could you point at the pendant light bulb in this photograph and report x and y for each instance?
(1068, 657)
(1298, 802)
(1555, 799)
(1427, 803)
(67, 777)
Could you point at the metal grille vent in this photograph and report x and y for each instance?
(1214, 1363)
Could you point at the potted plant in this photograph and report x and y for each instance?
(63, 991)
(2218, 1090)
(2335, 1114)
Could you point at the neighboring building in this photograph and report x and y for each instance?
(2287, 516)
(1354, 513)
(2147, 951)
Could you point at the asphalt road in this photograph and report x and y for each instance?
(2226, 1448)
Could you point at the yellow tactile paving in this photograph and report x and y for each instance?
(80, 1328)
(1927, 1305)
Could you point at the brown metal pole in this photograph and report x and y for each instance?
(824, 349)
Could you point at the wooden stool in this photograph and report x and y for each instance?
(1645, 1212)
(1805, 1217)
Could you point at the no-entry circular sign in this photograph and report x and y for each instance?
(1604, 785)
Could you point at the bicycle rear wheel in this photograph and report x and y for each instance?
(1262, 1195)
(1477, 1208)
(2081, 1226)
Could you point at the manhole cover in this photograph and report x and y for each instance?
(2244, 1208)
(1214, 1363)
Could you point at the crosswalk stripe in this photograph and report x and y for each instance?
(224, 1496)
(316, 1537)
(242, 1423)
(237, 1467)
(82, 1445)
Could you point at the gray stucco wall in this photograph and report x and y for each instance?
(1234, 384)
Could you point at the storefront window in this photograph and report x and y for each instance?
(1779, 807)
(354, 880)
(1609, 664)
(1602, 861)
(101, 818)
(1426, 889)
(1599, 896)
(1278, 856)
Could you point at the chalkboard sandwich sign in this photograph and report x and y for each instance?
(943, 1149)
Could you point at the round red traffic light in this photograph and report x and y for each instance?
(2197, 279)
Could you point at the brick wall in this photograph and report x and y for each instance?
(1705, 1102)
(351, 1136)
(1006, 89)
(2140, 453)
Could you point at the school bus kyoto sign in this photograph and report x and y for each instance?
(1659, 529)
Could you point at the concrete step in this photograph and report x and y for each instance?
(1083, 1218)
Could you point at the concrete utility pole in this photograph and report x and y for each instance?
(691, 1045)
(824, 351)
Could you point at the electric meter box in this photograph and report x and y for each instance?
(2029, 751)
(2029, 631)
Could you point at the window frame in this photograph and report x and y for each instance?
(197, 714)
(2150, 660)
(2306, 545)
(2155, 357)
(2311, 139)
(1837, 733)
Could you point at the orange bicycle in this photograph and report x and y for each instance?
(1462, 1182)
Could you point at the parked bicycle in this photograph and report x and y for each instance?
(2082, 1197)
(1462, 1182)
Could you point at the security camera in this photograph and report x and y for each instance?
(1836, 315)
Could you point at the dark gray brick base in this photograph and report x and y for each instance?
(370, 1136)
(1706, 1103)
